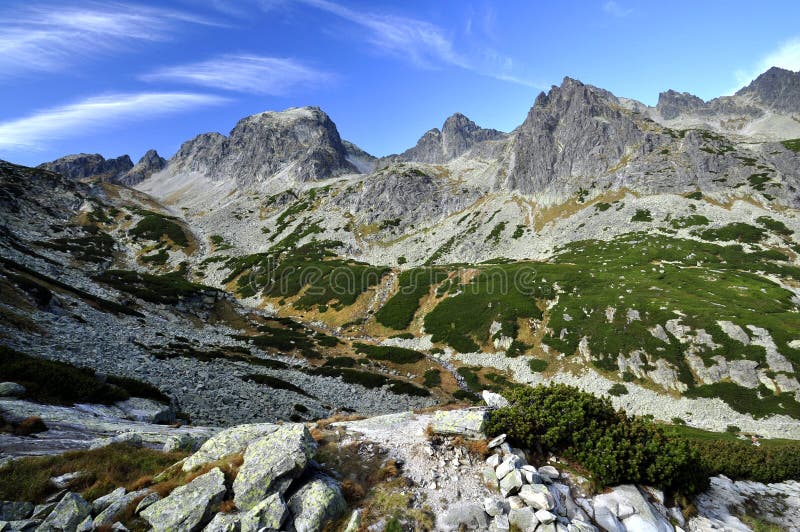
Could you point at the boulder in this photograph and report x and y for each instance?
(581, 526)
(15, 511)
(271, 462)
(146, 410)
(500, 523)
(119, 527)
(628, 504)
(531, 475)
(494, 400)
(40, 511)
(67, 515)
(101, 503)
(509, 464)
(466, 515)
(189, 506)
(515, 503)
(85, 525)
(11, 389)
(354, 523)
(25, 525)
(489, 477)
(523, 518)
(607, 520)
(511, 483)
(182, 442)
(494, 506)
(545, 517)
(133, 439)
(224, 523)
(467, 423)
(268, 514)
(494, 460)
(110, 514)
(227, 442)
(537, 496)
(497, 441)
(317, 502)
(148, 500)
(548, 473)
(63, 481)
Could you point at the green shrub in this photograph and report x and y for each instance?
(696, 195)
(276, 383)
(793, 144)
(602, 206)
(432, 378)
(642, 215)
(154, 226)
(617, 390)
(398, 355)
(678, 421)
(733, 429)
(341, 362)
(736, 231)
(413, 284)
(613, 447)
(463, 395)
(516, 349)
(137, 388)
(773, 225)
(537, 365)
(406, 388)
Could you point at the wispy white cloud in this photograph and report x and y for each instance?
(244, 73)
(94, 114)
(422, 43)
(787, 56)
(48, 38)
(615, 10)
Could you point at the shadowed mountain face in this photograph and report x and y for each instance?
(777, 88)
(83, 165)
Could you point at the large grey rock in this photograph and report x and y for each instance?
(187, 507)
(511, 483)
(24, 525)
(523, 518)
(494, 506)
(537, 496)
(67, 515)
(224, 523)
(63, 481)
(133, 439)
(468, 423)
(268, 514)
(227, 442)
(11, 389)
(271, 462)
(101, 503)
(183, 442)
(111, 513)
(354, 523)
(628, 504)
(40, 511)
(468, 515)
(146, 410)
(545, 517)
(148, 500)
(494, 400)
(606, 519)
(15, 511)
(317, 502)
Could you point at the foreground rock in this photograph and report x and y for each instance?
(316, 503)
(189, 506)
(227, 442)
(70, 511)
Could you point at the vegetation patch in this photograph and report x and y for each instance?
(413, 284)
(167, 289)
(774, 225)
(689, 221)
(793, 144)
(154, 227)
(759, 402)
(275, 383)
(737, 232)
(397, 355)
(642, 215)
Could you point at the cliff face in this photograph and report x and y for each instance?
(85, 165)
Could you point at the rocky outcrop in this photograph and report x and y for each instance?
(300, 144)
(777, 89)
(70, 511)
(672, 104)
(316, 503)
(150, 163)
(458, 135)
(85, 165)
(188, 507)
(227, 442)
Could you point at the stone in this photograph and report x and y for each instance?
(101, 503)
(147, 410)
(224, 523)
(627, 503)
(11, 389)
(467, 423)
(63, 481)
(547, 527)
(523, 518)
(497, 441)
(227, 442)
(128, 438)
(354, 523)
(548, 473)
(182, 442)
(187, 507)
(604, 517)
(271, 462)
(493, 506)
(268, 514)
(494, 400)
(515, 502)
(148, 500)
(530, 474)
(85, 525)
(40, 511)
(581, 526)
(537, 496)
(510, 463)
(545, 517)
(15, 511)
(511, 483)
(489, 477)
(67, 515)
(25, 525)
(500, 523)
(494, 460)
(119, 527)
(468, 515)
(317, 502)
(116, 507)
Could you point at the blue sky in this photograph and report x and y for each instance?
(122, 77)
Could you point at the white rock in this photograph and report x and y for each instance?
(497, 441)
(545, 517)
(494, 400)
(511, 483)
(537, 496)
(493, 506)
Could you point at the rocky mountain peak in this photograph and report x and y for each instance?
(672, 104)
(573, 131)
(302, 144)
(85, 165)
(150, 163)
(777, 88)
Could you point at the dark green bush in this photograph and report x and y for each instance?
(642, 215)
(617, 390)
(613, 447)
(138, 388)
(537, 365)
(406, 388)
(432, 377)
(276, 383)
(398, 355)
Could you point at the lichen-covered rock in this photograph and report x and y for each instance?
(229, 441)
(15, 511)
(111, 513)
(511, 483)
(101, 503)
(189, 506)
(146, 410)
(523, 518)
(317, 502)
(268, 514)
(494, 400)
(40, 511)
(463, 515)
(148, 500)
(67, 515)
(354, 523)
(183, 442)
(128, 438)
(641, 516)
(271, 462)
(537, 496)
(224, 523)
(467, 423)
(11, 389)
(25, 525)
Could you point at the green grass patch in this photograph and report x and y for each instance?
(537, 365)
(774, 225)
(737, 231)
(758, 403)
(689, 221)
(793, 144)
